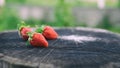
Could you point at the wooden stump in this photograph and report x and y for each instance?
(75, 48)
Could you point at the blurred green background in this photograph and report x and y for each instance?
(60, 13)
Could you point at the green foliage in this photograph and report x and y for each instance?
(16, 1)
(115, 29)
(118, 3)
(8, 19)
(80, 3)
(105, 23)
(63, 14)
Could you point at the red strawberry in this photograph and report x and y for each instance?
(23, 30)
(37, 39)
(48, 32)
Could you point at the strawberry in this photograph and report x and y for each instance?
(48, 32)
(23, 30)
(37, 39)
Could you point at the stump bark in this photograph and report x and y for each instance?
(74, 48)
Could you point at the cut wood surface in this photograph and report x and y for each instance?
(74, 48)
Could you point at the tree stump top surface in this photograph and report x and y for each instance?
(75, 48)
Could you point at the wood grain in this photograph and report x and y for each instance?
(75, 48)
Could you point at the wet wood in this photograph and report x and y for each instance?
(75, 48)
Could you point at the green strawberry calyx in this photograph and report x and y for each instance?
(30, 34)
(21, 25)
(40, 29)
